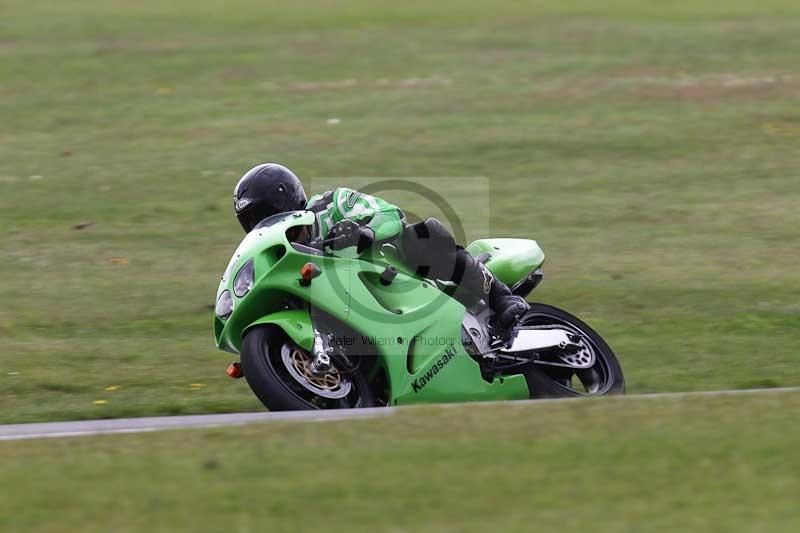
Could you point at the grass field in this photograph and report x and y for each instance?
(652, 150)
(712, 464)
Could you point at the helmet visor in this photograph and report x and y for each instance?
(249, 217)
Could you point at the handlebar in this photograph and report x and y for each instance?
(321, 244)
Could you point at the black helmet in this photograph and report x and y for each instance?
(264, 191)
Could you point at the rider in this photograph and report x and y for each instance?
(358, 220)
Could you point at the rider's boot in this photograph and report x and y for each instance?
(509, 307)
(478, 281)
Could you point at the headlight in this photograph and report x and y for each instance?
(244, 280)
(224, 304)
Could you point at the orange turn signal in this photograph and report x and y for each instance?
(309, 272)
(235, 371)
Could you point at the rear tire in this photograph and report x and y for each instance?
(278, 390)
(551, 382)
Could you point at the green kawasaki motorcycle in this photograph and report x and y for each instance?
(317, 331)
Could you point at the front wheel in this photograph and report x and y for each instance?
(279, 373)
(602, 378)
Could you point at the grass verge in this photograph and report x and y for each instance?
(702, 463)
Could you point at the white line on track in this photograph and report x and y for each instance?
(143, 425)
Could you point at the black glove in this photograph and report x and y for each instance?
(347, 233)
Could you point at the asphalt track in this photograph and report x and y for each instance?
(142, 425)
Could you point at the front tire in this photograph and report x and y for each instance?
(267, 370)
(604, 377)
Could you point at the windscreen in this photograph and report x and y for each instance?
(274, 219)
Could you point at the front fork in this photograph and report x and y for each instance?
(321, 364)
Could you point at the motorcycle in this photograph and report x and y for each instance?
(322, 331)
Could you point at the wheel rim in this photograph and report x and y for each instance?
(333, 390)
(595, 380)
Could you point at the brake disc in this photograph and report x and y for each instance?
(328, 385)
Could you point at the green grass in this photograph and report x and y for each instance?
(716, 464)
(652, 150)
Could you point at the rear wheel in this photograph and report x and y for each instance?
(602, 378)
(280, 375)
